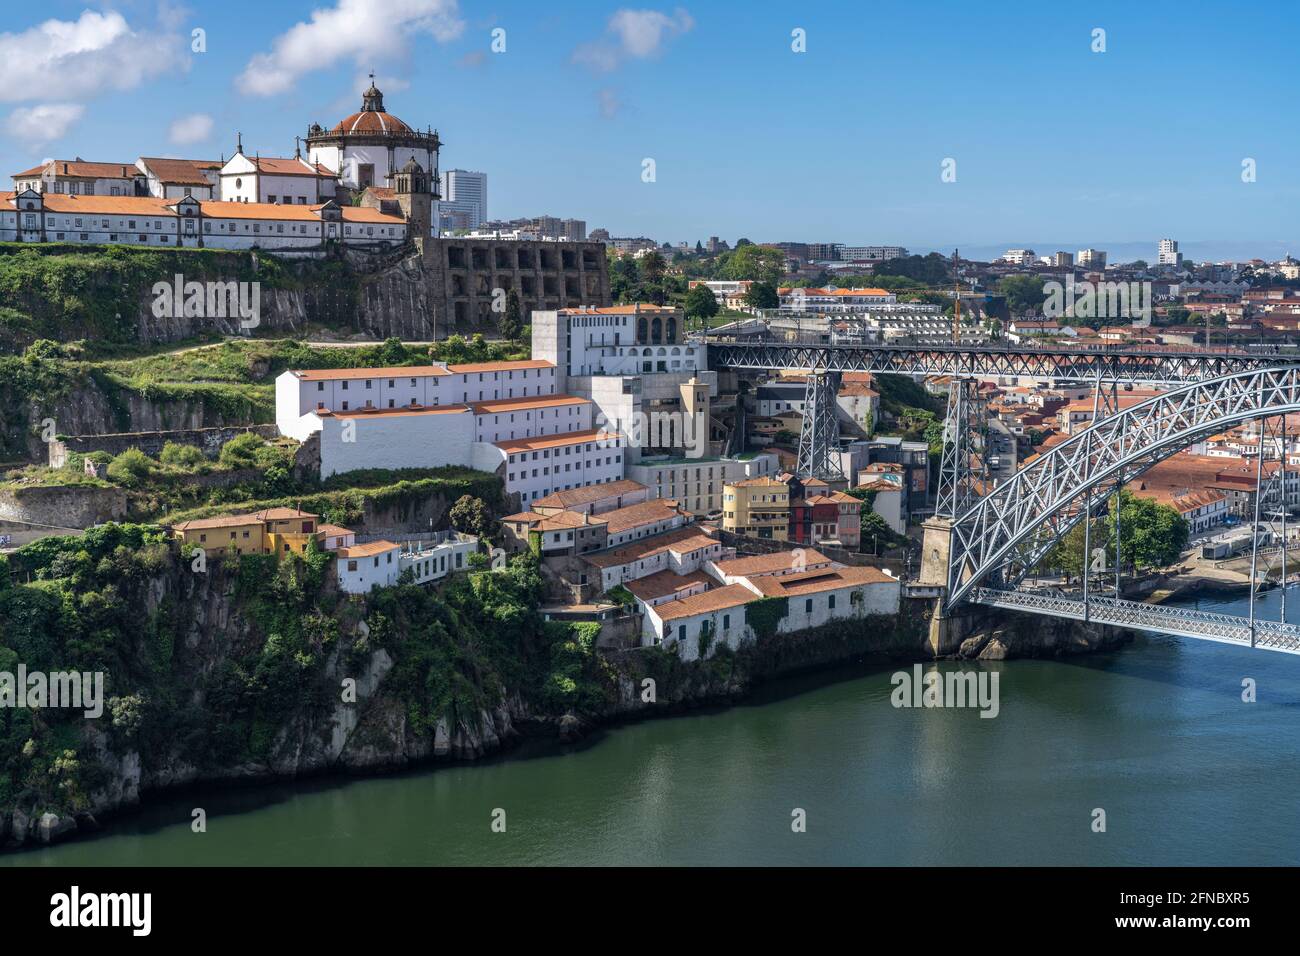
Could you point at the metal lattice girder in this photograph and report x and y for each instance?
(1137, 615)
(819, 439)
(1048, 493)
(1127, 367)
(963, 473)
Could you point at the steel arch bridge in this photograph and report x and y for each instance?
(995, 541)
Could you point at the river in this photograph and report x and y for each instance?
(1155, 734)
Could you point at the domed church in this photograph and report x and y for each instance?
(370, 147)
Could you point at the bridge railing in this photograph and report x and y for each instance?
(1136, 615)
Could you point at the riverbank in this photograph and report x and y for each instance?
(1157, 734)
(382, 735)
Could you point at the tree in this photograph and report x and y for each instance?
(1024, 294)
(701, 303)
(511, 324)
(471, 515)
(762, 295)
(756, 264)
(653, 266)
(1152, 536)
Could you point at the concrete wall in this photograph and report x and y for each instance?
(427, 440)
(63, 507)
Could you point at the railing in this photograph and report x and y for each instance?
(1135, 615)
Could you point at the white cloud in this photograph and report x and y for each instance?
(194, 128)
(44, 122)
(632, 34)
(367, 32)
(94, 54)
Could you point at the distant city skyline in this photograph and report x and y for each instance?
(845, 142)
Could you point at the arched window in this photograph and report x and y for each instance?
(657, 330)
(640, 330)
(672, 329)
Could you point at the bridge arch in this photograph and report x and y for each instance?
(1049, 493)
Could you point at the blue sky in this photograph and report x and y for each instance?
(1056, 146)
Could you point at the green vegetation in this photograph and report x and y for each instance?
(227, 383)
(766, 614)
(1152, 536)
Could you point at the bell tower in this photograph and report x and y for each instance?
(411, 189)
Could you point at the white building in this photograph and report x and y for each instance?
(536, 467)
(697, 482)
(365, 566)
(77, 177)
(425, 437)
(681, 551)
(176, 178)
(146, 221)
(369, 147)
(300, 391)
(360, 567)
(1167, 253)
(1019, 257)
(1095, 258)
(264, 179)
(712, 617)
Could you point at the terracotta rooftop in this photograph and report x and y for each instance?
(365, 550)
(504, 406)
(224, 521)
(500, 366)
(678, 540)
(397, 371)
(613, 439)
(180, 172)
(814, 582)
(719, 599)
(582, 496)
(647, 512)
(662, 583)
(773, 563)
(282, 514)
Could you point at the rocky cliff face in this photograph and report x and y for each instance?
(356, 717)
(351, 720)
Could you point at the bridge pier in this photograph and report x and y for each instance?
(947, 630)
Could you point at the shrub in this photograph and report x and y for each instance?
(241, 451)
(131, 467)
(181, 456)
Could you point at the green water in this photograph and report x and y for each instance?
(1156, 734)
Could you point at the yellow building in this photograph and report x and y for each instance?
(288, 529)
(214, 535)
(272, 530)
(758, 507)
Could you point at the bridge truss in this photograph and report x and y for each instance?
(999, 539)
(1119, 366)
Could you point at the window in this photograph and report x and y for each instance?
(830, 602)
(807, 606)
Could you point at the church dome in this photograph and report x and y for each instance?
(372, 117)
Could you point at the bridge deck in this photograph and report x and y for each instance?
(1135, 615)
(1152, 365)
